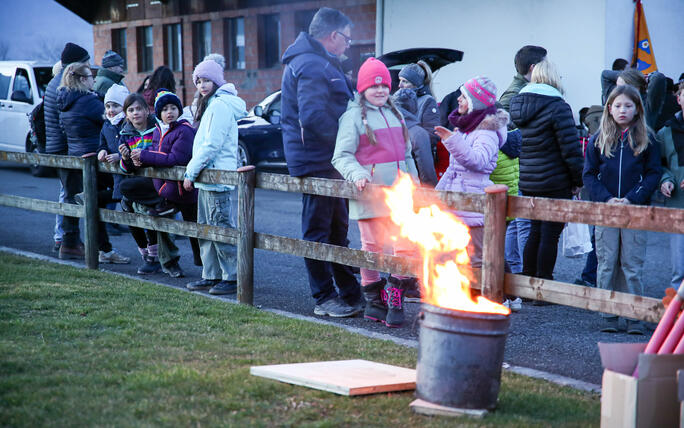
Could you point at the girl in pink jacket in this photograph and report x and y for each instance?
(480, 130)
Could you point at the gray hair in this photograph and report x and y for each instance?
(327, 20)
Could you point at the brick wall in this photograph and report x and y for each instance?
(253, 83)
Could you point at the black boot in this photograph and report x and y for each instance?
(376, 301)
(395, 289)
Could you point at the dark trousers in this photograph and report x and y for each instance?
(591, 264)
(541, 250)
(326, 220)
(72, 181)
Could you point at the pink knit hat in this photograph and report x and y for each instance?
(481, 93)
(209, 69)
(373, 72)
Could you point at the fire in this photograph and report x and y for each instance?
(442, 240)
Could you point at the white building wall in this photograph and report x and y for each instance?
(583, 37)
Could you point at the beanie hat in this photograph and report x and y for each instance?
(373, 72)
(480, 92)
(414, 74)
(164, 97)
(73, 53)
(116, 94)
(211, 70)
(112, 59)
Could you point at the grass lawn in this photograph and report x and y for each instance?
(87, 348)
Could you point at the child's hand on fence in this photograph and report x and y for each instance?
(125, 151)
(135, 156)
(443, 133)
(113, 158)
(102, 155)
(667, 187)
(613, 201)
(187, 185)
(361, 184)
(576, 191)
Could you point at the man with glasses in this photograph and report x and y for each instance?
(315, 92)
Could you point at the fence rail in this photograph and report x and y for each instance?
(494, 204)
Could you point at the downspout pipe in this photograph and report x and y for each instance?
(379, 27)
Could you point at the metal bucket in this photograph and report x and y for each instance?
(459, 357)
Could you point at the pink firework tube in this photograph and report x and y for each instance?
(680, 347)
(664, 327)
(675, 334)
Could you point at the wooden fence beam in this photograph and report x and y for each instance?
(494, 242)
(55, 161)
(91, 219)
(61, 208)
(245, 226)
(592, 299)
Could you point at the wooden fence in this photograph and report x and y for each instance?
(495, 204)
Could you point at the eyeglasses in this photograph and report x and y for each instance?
(347, 39)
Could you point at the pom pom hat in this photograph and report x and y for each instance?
(112, 59)
(211, 70)
(480, 92)
(373, 72)
(164, 97)
(116, 94)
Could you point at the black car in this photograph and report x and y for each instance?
(260, 133)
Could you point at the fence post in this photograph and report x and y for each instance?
(493, 256)
(91, 219)
(245, 225)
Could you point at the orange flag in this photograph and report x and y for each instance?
(642, 56)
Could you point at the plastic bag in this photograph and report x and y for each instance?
(576, 240)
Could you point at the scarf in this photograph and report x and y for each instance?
(468, 122)
(677, 127)
(116, 119)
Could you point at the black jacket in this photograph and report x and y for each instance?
(315, 93)
(55, 140)
(551, 156)
(81, 116)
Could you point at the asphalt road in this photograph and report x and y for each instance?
(555, 339)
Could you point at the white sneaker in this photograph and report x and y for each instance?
(515, 304)
(113, 257)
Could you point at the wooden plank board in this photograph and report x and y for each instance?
(347, 377)
(431, 409)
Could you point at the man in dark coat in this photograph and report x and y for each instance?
(55, 139)
(315, 92)
(112, 72)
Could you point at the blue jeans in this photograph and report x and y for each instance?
(326, 220)
(219, 260)
(677, 254)
(516, 237)
(58, 218)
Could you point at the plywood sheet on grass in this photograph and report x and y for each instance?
(347, 377)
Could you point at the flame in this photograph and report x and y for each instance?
(440, 236)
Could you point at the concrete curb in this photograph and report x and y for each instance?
(524, 371)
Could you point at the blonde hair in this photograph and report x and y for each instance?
(609, 132)
(71, 78)
(364, 118)
(547, 72)
(427, 82)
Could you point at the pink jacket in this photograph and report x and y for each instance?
(472, 159)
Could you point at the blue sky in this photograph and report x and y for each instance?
(38, 29)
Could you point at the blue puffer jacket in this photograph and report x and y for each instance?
(81, 116)
(315, 93)
(623, 175)
(55, 140)
(109, 142)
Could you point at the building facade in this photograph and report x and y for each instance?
(251, 34)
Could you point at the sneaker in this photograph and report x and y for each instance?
(412, 292)
(55, 248)
(174, 270)
(78, 198)
(202, 284)
(635, 327)
(335, 308)
(126, 205)
(162, 209)
(580, 281)
(77, 252)
(609, 325)
(224, 287)
(514, 305)
(113, 257)
(150, 266)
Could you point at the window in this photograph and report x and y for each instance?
(119, 44)
(5, 78)
(303, 20)
(21, 84)
(145, 49)
(43, 77)
(234, 41)
(173, 46)
(269, 40)
(201, 37)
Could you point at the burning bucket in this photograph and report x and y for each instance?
(460, 356)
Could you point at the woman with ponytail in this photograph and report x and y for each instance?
(372, 147)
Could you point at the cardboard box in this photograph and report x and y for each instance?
(650, 400)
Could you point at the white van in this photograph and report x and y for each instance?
(22, 86)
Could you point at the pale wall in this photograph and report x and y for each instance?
(582, 37)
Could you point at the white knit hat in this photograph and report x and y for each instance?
(116, 94)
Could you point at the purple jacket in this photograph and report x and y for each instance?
(472, 159)
(173, 148)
